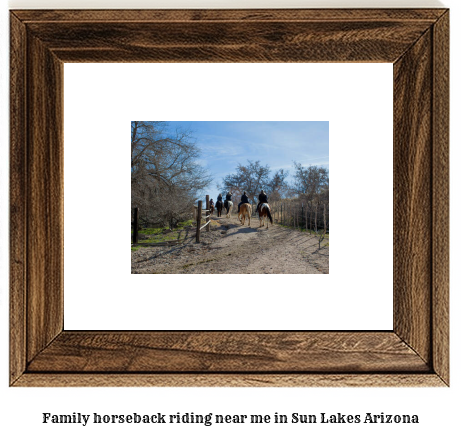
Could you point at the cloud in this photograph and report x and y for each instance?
(224, 145)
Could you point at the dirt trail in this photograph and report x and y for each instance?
(230, 248)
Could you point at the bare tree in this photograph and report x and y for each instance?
(311, 181)
(165, 175)
(278, 187)
(250, 178)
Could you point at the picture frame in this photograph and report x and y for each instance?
(414, 353)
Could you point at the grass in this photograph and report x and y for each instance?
(151, 231)
(159, 238)
(183, 224)
(156, 234)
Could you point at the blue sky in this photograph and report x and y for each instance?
(225, 144)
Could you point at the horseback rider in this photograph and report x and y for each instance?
(219, 205)
(262, 199)
(211, 204)
(228, 198)
(243, 200)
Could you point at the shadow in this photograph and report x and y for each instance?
(246, 229)
(169, 250)
(232, 225)
(318, 252)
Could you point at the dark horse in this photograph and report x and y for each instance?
(219, 207)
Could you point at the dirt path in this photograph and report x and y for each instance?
(230, 248)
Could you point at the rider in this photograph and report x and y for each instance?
(228, 198)
(211, 204)
(262, 199)
(218, 203)
(243, 200)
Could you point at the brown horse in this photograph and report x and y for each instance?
(265, 212)
(245, 210)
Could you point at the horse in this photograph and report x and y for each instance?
(219, 207)
(245, 210)
(211, 209)
(265, 212)
(229, 208)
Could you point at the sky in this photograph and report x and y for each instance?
(225, 144)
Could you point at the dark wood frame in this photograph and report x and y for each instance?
(414, 353)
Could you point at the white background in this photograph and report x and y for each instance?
(20, 409)
(102, 99)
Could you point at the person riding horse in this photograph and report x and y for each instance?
(243, 200)
(211, 204)
(228, 198)
(219, 204)
(262, 199)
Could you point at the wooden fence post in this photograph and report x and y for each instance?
(199, 220)
(135, 226)
(207, 213)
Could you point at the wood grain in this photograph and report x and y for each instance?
(236, 352)
(45, 233)
(312, 41)
(440, 204)
(230, 380)
(413, 196)
(18, 193)
(414, 354)
(184, 15)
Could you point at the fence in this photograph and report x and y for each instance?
(312, 215)
(197, 214)
(309, 216)
(138, 227)
(199, 217)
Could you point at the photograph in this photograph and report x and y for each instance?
(230, 197)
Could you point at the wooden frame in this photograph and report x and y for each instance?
(415, 353)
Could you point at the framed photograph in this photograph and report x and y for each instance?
(415, 352)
